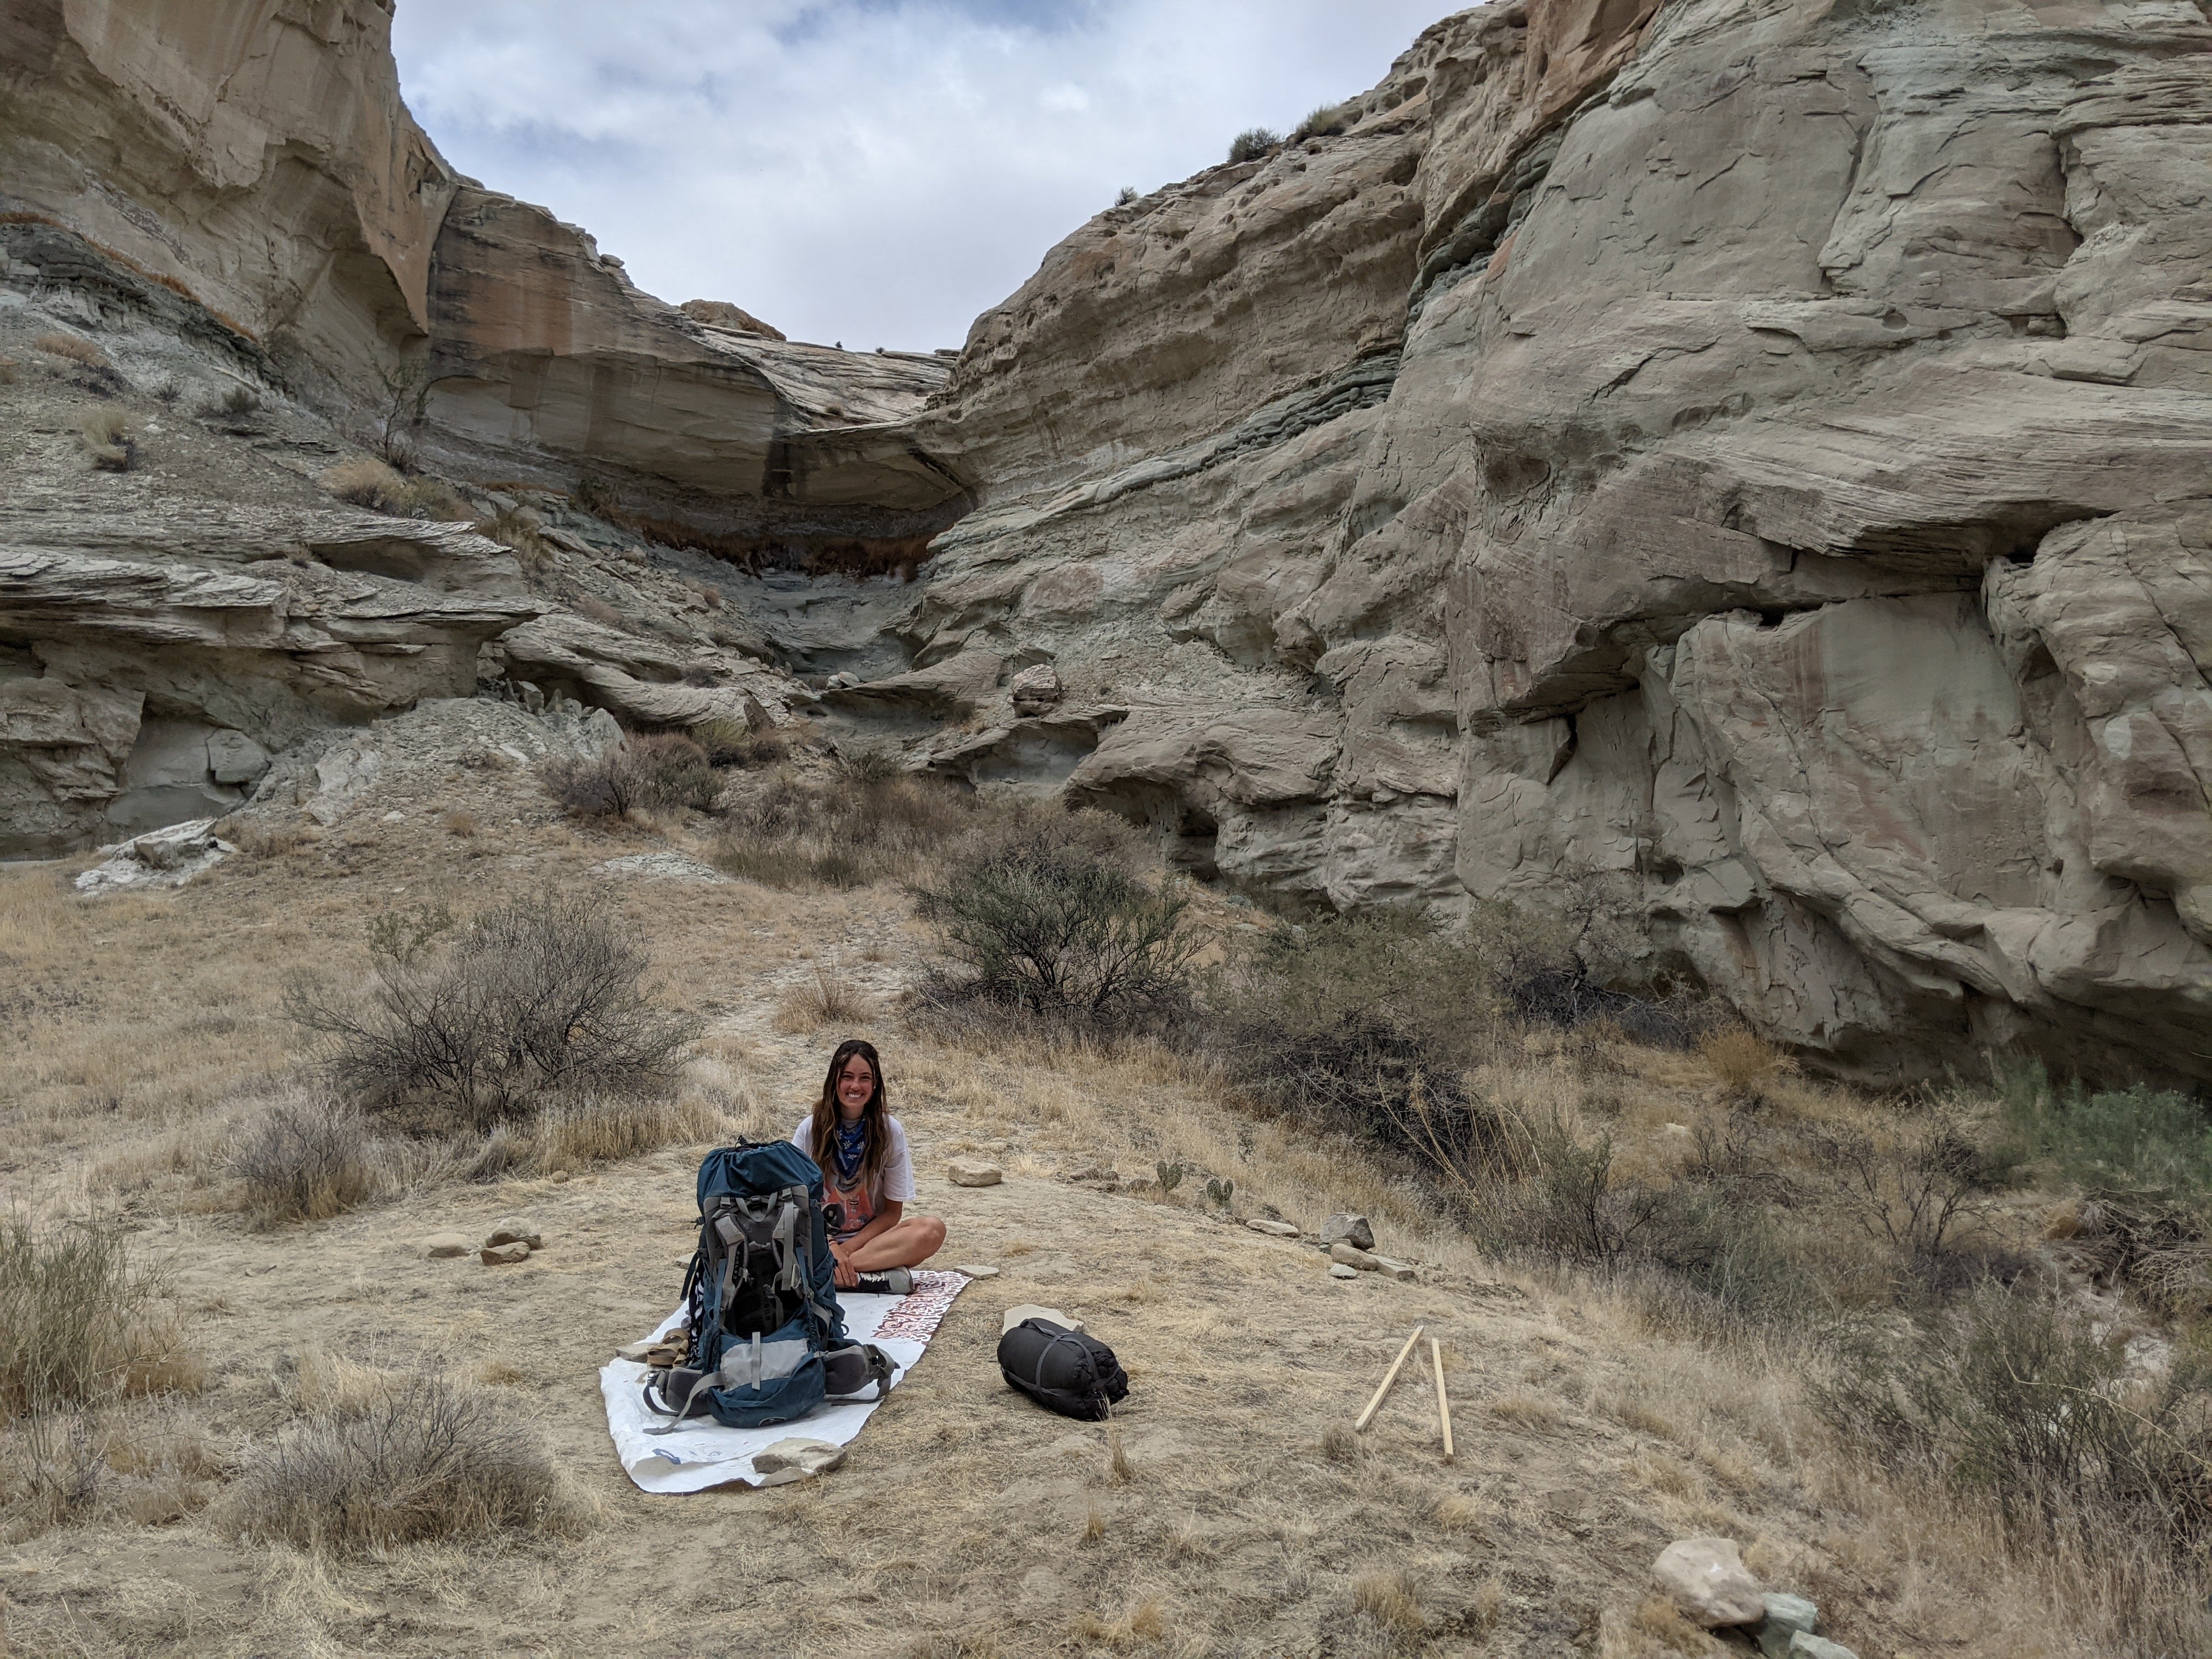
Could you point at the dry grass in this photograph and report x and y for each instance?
(425, 1461)
(1392, 1599)
(366, 482)
(109, 439)
(71, 348)
(81, 1324)
(574, 1134)
(1740, 1062)
(305, 1159)
(824, 997)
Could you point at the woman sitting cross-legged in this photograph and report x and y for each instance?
(867, 1176)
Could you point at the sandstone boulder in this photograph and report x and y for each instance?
(1347, 1228)
(973, 1172)
(1705, 1577)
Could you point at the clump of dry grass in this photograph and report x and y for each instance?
(80, 1324)
(594, 609)
(1391, 1598)
(427, 1462)
(521, 529)
(733, 743)
(304, 1160)
(865, 824)
(9, 366)
(109, 438)
(262, 839)
(71, 348)
(367, 482)
(573, 1133)
(825, 997)
(462, 824)
(1742, 1062)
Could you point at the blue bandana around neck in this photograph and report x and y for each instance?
(850, 1142)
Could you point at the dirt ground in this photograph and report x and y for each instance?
(1225, 1510)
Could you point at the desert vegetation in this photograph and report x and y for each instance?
(1254, 144)
(109, 439)
(1872, 1301)
(375, 484)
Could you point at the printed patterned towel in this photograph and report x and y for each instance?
(704, 1453)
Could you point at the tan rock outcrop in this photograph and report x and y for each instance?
(253, 156)
(151, 662)
(547, 363)
(1785, 506)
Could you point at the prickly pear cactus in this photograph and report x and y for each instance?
(1171, 1176)
(1221, 1191)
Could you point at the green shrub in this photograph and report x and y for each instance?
(485, 1020)
(1699, 1255)
(1039, 925)
(2022, 1399)
(659, 772)
(1253, 144)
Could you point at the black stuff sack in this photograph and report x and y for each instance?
(1062, 1371)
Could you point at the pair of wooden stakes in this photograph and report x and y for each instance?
(1444, 1400)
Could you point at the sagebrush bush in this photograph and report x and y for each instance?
(80, 1323)
(1253, 143)
(1040, 926)
(472, 1023)
(2021, 1398)
(734, 742)
(645, 773)
(426, 1462)
(1367, 1026)
(866, 824)
(304, 1160)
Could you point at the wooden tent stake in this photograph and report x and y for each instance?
(1444, 1400)
(1389, 1377)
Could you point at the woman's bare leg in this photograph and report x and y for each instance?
(913, 1241)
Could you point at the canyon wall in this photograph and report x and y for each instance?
(1749, 463)
(1746, 464)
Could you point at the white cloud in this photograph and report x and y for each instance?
(872, 171)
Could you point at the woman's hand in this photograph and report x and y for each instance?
(845, 1274)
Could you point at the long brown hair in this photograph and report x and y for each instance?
(822, 1133)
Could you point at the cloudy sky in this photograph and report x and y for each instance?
(874, 171)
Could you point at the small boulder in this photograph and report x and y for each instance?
(796, 1458)
(1036, 690)
(973, 1172)
(1786, 1616)
(513, 1230)
(443, 1247)
(1390, 1267)
(1031, 1310)
(1338, 1270)
(501, 1256)
(1351, 1230)
(1351, 1255)
(1706, 1578)
(1272, 1229)
(976, 1270)
(1806, 1645)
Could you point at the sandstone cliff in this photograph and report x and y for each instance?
(1743, 462)
(1786, 508)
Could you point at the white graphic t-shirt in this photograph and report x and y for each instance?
(861, 1207)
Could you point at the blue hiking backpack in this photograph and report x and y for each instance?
(767, 1339)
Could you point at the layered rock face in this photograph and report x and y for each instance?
(547, 364)
(253, 156)
(1785, 510)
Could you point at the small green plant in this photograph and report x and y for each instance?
(401, 935)
(1254, 144)
(1220, 1190)
(1171, 1176)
